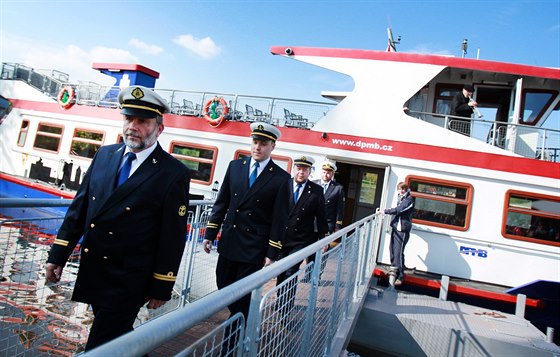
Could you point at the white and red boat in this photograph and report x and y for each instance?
(487, 190)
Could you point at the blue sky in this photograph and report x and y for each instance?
(223, 46)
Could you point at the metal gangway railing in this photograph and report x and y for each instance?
(310, 314)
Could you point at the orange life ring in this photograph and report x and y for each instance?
(66, 97)
(210, 111)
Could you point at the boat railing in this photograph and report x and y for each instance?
(311, 313)
(525, 140)
(303, 114)
(48, 83)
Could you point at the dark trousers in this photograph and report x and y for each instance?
(228, 272)
(398, 242)
(109, 323)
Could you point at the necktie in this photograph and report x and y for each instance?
(325, 185)
(253, 175)
(296, 194)
(124, 171)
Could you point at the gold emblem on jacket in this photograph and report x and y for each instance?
(182, 210)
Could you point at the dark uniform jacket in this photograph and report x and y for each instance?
(133, 236)
(304, 215)
(253, 220)
(460, 106)
(402, 212)
(334, 204)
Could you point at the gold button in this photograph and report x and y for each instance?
(110, 233)
(93, 198)
(86, 250)
(92, 225)
(127, 209)
(237, 210)
(234, 226)
(104, 257)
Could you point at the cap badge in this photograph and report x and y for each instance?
(137, 93)
(303, 158)
(260, 127)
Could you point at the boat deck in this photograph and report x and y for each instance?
(427, 326)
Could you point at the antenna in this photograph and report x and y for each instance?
(391, 47)
(464, 46)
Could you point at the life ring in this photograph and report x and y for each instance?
(211, 114)
(66, 97)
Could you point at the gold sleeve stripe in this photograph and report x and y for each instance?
(168, 277)
(61, 242)
(275, 244)
(212, 225)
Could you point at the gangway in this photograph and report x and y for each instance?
(328, 299)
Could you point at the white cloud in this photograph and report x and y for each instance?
(205, 48)
(70, 59)
(144, 47)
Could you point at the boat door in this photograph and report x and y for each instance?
(363, 187)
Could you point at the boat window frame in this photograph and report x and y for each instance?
(532, 212)
(180, 157)
(278, 159)
(87, 141)
(525, 91)
(41, 133)
(437, 96)
(23, 130)
(467, 201)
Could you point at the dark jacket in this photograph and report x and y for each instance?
(403, 212)
(133, 236)
(460, 106)
(334, 204)
(308, 212)
(253, 220)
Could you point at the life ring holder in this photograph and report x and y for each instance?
(210, 114)
(66, 97)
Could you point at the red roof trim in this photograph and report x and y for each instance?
(125, 67)
(467, 63)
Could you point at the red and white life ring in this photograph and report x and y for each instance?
(210, 111)
(66, 97)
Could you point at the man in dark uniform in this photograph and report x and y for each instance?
(334, 196)
(463, 106)
(251, 209)
(131, 211)
(401, 225)
(307, 223)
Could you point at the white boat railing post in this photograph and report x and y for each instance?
(444, 288)
(520, 305)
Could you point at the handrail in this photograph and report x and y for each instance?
(154, 333)
(494, 135)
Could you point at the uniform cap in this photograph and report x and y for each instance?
(469, 88)
(328, 165)
(143, 102)
(304, 161)
(264, 131)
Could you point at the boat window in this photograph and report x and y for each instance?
(48, 137)
(441, 203)
(532, 217)
(535, 103)
(284, 162)
(23, 132)
(200, 159)
(444, 97)
(85, 143)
